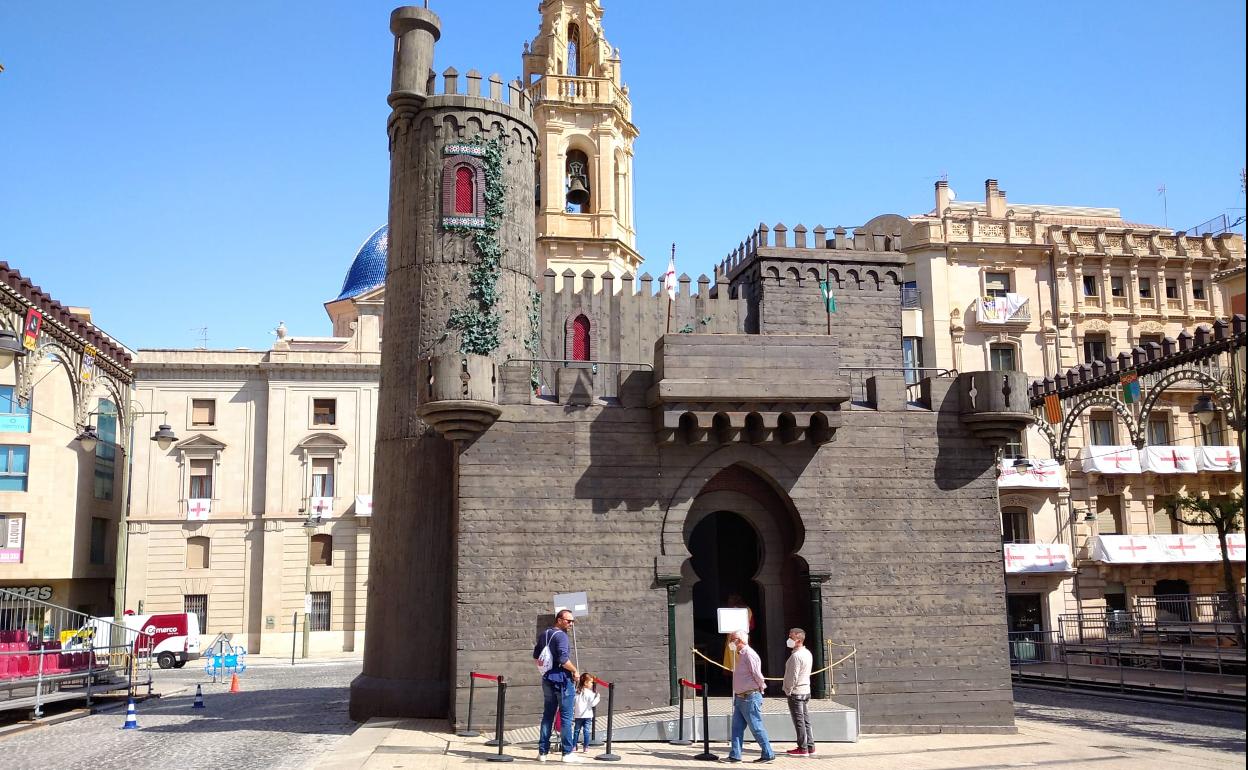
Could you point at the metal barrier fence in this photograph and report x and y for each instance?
(1165, 619)
(50, 654)
(1194, 672)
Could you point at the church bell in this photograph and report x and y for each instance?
(578, 184)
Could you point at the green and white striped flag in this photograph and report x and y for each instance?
(828, 299)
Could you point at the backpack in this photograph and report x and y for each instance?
(545, 660)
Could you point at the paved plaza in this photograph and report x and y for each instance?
(297, 718)
(285, 717)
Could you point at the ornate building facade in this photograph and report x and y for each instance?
(61, 503)
(997, 285)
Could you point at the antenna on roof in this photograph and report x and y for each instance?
(202, 333)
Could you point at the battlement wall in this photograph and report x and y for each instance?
(625, 324)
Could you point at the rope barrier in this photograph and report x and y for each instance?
(601, 682)
(693, 686)
(829, 667)
(491, 677)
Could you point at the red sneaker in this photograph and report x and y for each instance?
(810, 752)
(798, 752)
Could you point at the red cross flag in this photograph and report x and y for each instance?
(669, 278)
(198, 510)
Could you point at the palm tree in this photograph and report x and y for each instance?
(1225, 515)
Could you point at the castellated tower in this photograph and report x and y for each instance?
(460, 299)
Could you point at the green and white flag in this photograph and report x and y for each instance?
(828, 299)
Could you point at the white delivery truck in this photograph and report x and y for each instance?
(172, 638)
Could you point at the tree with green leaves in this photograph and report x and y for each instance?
(1225, 515)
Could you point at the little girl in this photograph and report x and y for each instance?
(583, 710)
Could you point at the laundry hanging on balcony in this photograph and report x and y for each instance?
(1000, 309)
(1038, 474)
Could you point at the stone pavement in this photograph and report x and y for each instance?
(285, 717)
(1055, 730)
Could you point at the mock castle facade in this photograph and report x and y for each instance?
(546, 426)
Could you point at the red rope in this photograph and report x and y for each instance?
(491, 677)
(695, 687)
(601, 682)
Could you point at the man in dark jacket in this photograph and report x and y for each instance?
(558, 686)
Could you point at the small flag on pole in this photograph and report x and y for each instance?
(669, 278)
(30, 331)
(1052, 408)
(1130, 387)
(829, 300)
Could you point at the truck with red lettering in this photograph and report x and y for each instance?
(172, 638)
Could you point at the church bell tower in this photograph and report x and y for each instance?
(585, 145)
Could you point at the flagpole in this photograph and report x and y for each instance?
(827, 308)
(669, 292)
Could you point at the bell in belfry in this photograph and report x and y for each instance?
(578, 184)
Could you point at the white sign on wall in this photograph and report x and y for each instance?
(577, 602)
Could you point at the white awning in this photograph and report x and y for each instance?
(1042, 474)
(1110, 459)
(363, 505)
(1164, 549)
(1168, 459)
(1218, 458)
(1024, 558)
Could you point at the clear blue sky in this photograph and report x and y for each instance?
(178, 165)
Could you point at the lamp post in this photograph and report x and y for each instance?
(309, 526)
(88, 439)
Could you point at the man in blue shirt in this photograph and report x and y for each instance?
(558, 686)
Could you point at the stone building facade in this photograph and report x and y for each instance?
(60, 504)
(734, 455)
(1039, 288)
(258, 517)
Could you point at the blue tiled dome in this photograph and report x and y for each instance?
(368, 269)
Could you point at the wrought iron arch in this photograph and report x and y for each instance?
(1096, 399)
(1220, 392)
(66, 359)
(1046, 430)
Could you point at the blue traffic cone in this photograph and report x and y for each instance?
(132, 718)
(199, 698)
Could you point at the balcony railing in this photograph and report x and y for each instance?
(995, 311)
(1174, 304)
(1120, 301)
(911, 298)
(1148, 303)
(1201, 305)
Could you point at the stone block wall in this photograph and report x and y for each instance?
(898, 511)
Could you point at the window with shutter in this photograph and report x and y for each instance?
(201, 480)
(321, 551)
(203, 412)
(197, 553)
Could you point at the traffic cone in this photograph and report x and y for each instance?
(234, 683)
(199, 697)
(132, 718)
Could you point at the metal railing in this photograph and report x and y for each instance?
(50, 653)
(914, 375)
(1189, 671)
(1185, 609)
(911, 298)
(1179, 618)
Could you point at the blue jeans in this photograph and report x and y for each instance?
(749, 710)
(561, 696)
(582, 727)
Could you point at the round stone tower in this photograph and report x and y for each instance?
(460, 299)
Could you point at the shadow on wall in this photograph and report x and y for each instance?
(961, 457)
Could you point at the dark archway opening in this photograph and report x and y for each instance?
(1173, 604)
(726, 555)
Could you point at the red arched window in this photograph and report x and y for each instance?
(465, 196)
(580, 338)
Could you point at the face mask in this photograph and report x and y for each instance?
(790, 643)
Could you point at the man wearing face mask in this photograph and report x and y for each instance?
(797, 688)
(747, 699)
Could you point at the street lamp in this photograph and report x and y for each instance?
(88, 440)
(10, 348)
(1204, 410)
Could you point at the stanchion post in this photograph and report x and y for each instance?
(608, 756)
(706, 755)
(498, 722)
(680, 739)
(294, 635)
(468, 732)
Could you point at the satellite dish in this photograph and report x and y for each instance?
(952, 194)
